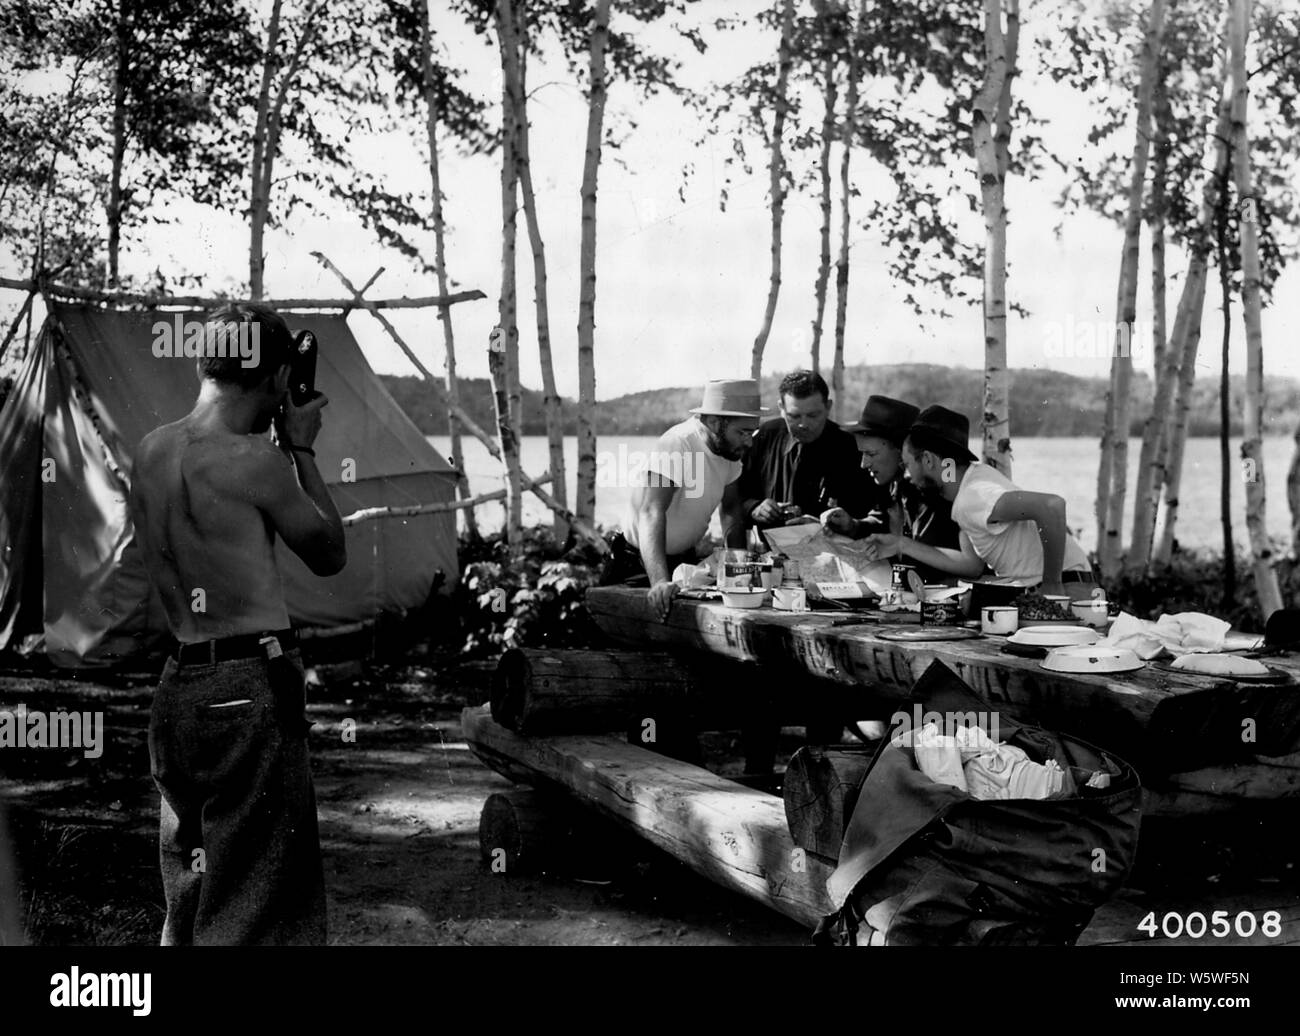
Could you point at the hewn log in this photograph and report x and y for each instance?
(820, 790)
(537, 692)
(732, 835)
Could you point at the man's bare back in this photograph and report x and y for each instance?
(210, 494)
(208, 545)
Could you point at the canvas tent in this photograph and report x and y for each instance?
(71, 580)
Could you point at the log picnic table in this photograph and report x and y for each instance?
(561, 726)
(1200, 743)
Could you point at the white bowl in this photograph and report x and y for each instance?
(1097, 658)
(1054, 636)
(752, 598)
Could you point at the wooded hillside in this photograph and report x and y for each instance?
(1043, 402)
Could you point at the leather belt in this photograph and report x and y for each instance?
(227, 649)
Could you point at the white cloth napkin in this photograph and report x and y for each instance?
(1178, 634)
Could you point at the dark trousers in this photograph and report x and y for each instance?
(624, 564)
(238, 842)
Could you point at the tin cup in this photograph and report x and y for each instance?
(1000, 620)
(790, 599)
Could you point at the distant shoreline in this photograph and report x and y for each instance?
(1044, 403)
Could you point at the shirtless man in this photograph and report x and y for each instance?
(238, 846)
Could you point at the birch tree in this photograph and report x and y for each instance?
(586, 488)
(432, 107)
(848, 134)
(278, 79)
(830, 95)
(991, 130)
(518, 55)
(1113, 470)
(777, 184)
(1266, 585)
(504, 344)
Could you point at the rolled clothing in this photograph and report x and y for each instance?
(239, 847)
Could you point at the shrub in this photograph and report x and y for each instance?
(530, 599)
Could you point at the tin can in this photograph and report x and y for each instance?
(737, 570)
(898, 576)
(941, 613)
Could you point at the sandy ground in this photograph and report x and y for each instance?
(399, 810)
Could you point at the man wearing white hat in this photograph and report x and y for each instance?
(692, 471)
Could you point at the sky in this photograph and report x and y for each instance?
(681, 284)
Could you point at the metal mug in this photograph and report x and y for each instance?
(1000, 620)
(790, 598)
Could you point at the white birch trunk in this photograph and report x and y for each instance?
(1193, 298)
(829, 97)
(258, 201)
(503, 354)
(457, 457)
(990, 120)
(550, 395)
(846, 197)
(1112, 543)
(776, 173)
(1261, 549)
(586, 488)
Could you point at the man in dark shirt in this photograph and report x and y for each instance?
(927, 518)
(803, 463)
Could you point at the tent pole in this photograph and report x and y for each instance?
(65, 291)
(585, 529)
(367, 513)
(13, 328)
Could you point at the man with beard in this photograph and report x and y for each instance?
(1020, 536)
(803, 463)
(691, 472)
(908, 512)
(238, 846)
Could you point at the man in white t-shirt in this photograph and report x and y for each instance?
(691, 472)
(1020, 536)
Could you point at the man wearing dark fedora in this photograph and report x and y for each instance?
(802, 462)
(1020, 536)
(692, 471)
(926, 518)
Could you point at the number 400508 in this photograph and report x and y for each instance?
(1219, 925)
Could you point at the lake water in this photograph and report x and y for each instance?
(1067, 466)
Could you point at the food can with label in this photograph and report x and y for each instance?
(738, 570)
(941, 613)
(898, 576)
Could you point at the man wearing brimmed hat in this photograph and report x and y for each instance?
(925, 518)
(1021, 536)
(692, 471)
(802, 462)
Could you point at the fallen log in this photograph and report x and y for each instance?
(820, 790)
(732, 835)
